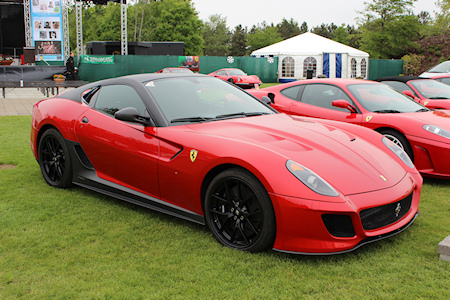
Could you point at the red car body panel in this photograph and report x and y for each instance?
(243, 80)
(431, 152)
(155, 162)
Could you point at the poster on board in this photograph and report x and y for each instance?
(46, 21)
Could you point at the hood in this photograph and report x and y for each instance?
(438, 117)
(344, 159)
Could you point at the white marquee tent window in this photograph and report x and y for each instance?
(363, 68)
(310, 63)
(354, 65)
(287, 67)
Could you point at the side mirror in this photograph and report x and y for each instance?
(131, 114)
(408, 93)
(266, 100)
(341, 103)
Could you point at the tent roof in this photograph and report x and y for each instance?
(308, 44)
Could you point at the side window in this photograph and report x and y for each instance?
(292, 92)
(363, 68)
(112, 98)
(322, 95)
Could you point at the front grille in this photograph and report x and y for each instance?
(339, 225)
(380, 216)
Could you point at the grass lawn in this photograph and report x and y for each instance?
(77, 244)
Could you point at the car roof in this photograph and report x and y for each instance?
(399, 78)
(75, 94)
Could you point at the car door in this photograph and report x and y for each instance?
(315, 100)
(121, 152)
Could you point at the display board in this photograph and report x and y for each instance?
(47, 35)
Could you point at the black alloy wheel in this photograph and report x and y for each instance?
(239, 211)
(54, 159)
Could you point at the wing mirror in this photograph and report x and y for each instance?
(341, 103)
(266, 100)
(408, 93)
(131, 114)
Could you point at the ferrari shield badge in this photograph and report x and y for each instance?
(368, 118)
(193, 155)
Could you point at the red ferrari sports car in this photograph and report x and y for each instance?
(198, 148)
(424, 134)
(431, 93)
(238, 77)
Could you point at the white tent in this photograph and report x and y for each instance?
(309, 54)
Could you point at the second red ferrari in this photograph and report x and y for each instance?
(238, 77)
(423, 133)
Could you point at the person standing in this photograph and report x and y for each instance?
(70, 65)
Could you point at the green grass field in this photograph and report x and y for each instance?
(77, 244)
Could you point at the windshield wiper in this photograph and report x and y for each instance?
(241, 114)
(387, 111)
(439, 98)
(191, 119)
(422, 109)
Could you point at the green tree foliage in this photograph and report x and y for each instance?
(263, 35)
(176, 20)
(139, 18)
(412, 64)
(304, 28)
(216, 36)
(288, 29)
(325, 30)
(239, 42)
(442, 24)
(347, 35)
(390, 28)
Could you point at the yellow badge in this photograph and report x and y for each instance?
(426, 102)
(193, 155)
(368, 118)
(384, 178)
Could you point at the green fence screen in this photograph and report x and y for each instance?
(265, 68)
(385, 67)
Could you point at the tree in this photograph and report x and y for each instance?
(216, 36)
(263, 35)
(288, 29)
(347, 35)
(239, 42)
(442, 23)
(389, 29)
(176, 20)
(304, 28)
(325, 30)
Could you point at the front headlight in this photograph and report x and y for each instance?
(311, 179)
(437, 130)
(398, 151)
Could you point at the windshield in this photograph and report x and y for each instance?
(198, 99)
(378, 97)
(236, 72)
(431, 89)
(441, 68)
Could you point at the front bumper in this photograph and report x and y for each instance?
(301, 228)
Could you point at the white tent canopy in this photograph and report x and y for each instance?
(312, 51)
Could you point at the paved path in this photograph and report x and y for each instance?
(19, 101)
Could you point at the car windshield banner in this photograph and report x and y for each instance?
(46, 22)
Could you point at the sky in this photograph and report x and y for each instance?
(313, 12)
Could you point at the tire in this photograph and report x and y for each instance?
(230, 80)
(400, 140)
(54, 159)
(239, 212)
